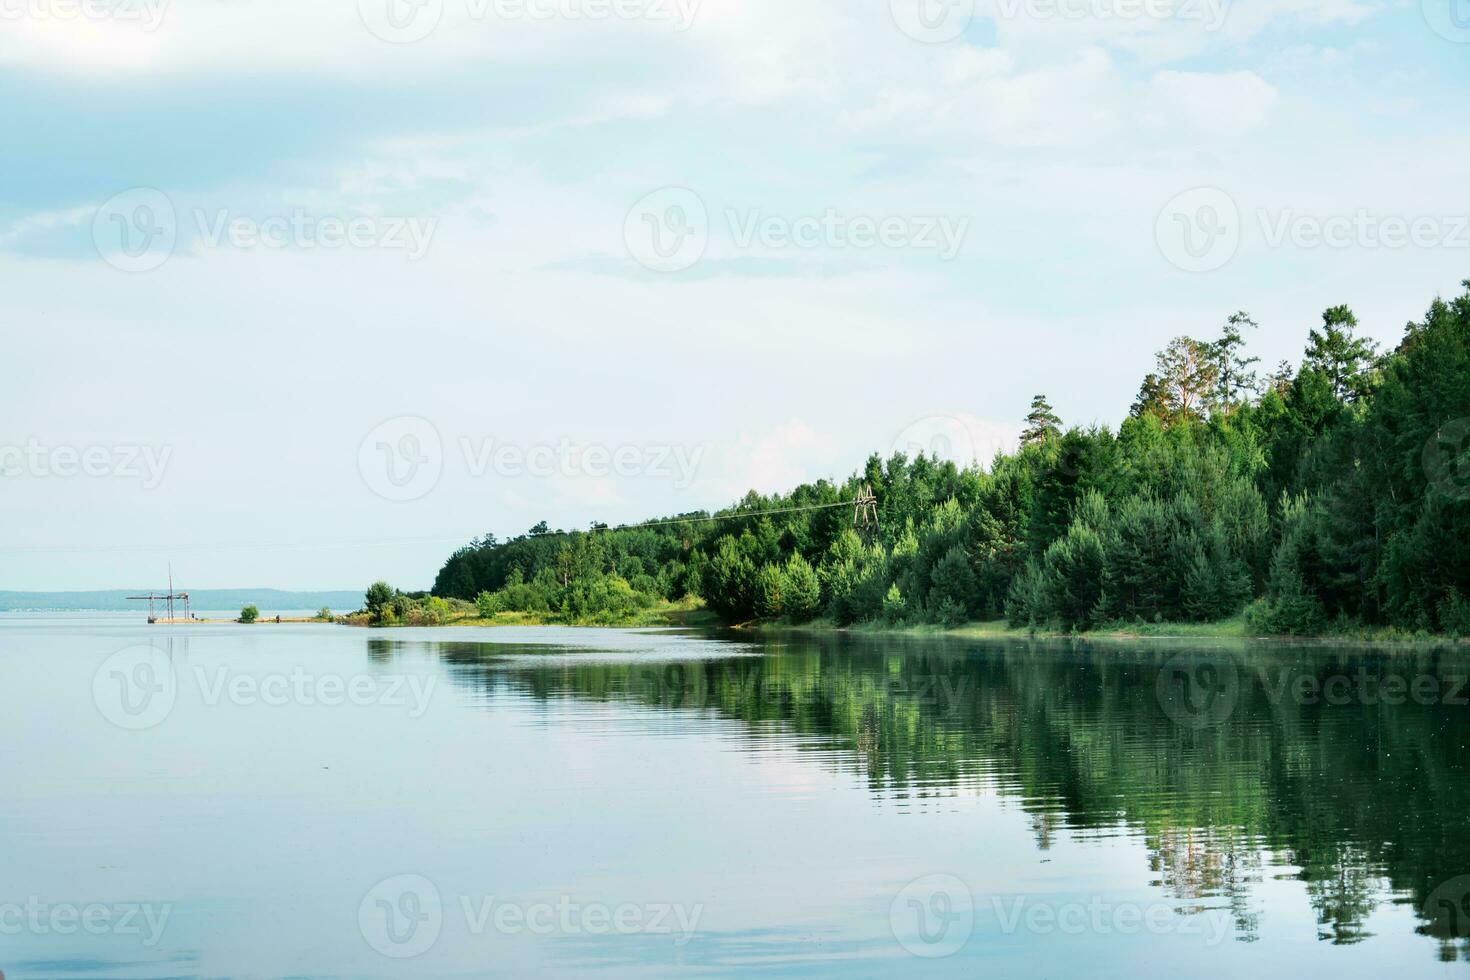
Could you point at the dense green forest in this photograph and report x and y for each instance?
(1332, 494)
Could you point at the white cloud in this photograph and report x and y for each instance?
(1227, 102)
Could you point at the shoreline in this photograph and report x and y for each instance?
(1229, 630)
(686, 616)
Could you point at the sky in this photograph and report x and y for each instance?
(307, 294)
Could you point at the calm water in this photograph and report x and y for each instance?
(316, 801)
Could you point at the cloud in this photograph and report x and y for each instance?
(1226, 102)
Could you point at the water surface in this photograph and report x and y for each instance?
(319, 801)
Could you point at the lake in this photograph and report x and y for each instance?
(320, 801)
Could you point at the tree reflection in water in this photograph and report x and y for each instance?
(1362, 797)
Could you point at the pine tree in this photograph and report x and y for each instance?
(1337, 352)
(1041, 423)
(1235, 379)
(803, 590)
(770, 590)
(1150, 399)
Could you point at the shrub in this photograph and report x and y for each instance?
(436, 611)
(952, 587)
(379, 601)
(1454, 614)
(949, 613)
(803, 590)
(895, 610)
(1027, 602)
(1072, 575)
(249, 614)
(770, 588)
(1292, 612)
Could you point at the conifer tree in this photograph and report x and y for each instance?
(1041, 422)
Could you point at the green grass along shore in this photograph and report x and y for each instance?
(691, 614)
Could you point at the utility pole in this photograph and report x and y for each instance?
(167, 597)
(865, 509)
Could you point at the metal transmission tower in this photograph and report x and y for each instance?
(166, 597)
(865, 510)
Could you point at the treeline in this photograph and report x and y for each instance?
(1331, 494)
(384, 605)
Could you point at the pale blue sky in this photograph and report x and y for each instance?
(503, 171)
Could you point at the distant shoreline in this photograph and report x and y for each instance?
(212, 600)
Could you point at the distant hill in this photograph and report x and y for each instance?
(115, 600)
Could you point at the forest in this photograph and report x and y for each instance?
(1327, 496)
